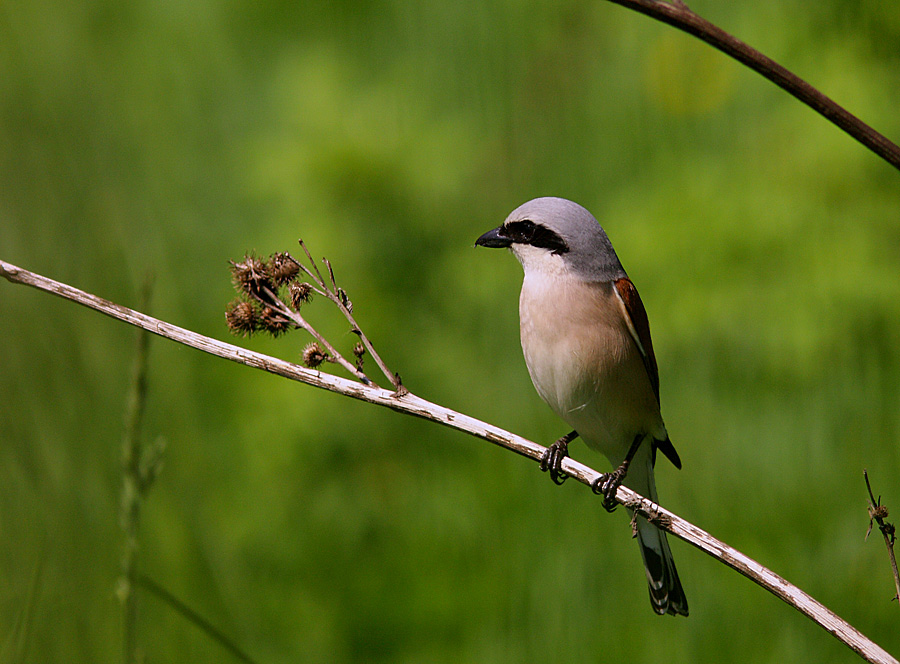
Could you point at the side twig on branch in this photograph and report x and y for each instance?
(260, 308)
(879, 514)
(411, 404)
(679, 15)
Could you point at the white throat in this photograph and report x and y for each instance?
(540, 263)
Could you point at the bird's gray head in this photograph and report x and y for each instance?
(554, 234)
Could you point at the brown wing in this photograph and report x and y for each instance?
(639, 326)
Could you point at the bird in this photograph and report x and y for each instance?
(586, 341)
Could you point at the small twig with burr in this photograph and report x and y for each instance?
(261, 308)
(878, 513)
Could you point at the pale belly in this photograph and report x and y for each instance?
(585, 365)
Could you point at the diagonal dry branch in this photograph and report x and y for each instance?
(679, 15)
(411, 404)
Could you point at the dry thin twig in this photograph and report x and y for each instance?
(340, 299)
(260, 307)
(677, 14)
(333, 355)
(413, 405)
(259, 282)
(879, 514)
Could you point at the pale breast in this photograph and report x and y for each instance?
(585, 364)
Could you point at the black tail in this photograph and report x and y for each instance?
(666, 593)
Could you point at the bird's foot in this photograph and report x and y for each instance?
(551, 461)
(607, 485)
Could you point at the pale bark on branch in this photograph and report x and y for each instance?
(411, 404)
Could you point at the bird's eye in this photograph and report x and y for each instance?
(527, 229)
(528, 232)
(520, 231)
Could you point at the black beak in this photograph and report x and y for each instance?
(493, 240)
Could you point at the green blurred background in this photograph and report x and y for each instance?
(168, 137)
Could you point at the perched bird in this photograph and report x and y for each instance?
(586, 341)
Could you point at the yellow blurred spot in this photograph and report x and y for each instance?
(687, 77)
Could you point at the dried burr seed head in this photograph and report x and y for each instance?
(282, 268)
(359, 350)
(300, 293)
(313, 355)
(251, 275)
(242, 318)
(273, 322)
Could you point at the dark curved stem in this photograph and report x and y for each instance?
(677, 14)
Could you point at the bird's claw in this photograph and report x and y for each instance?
(607, 485)
(551, 461)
